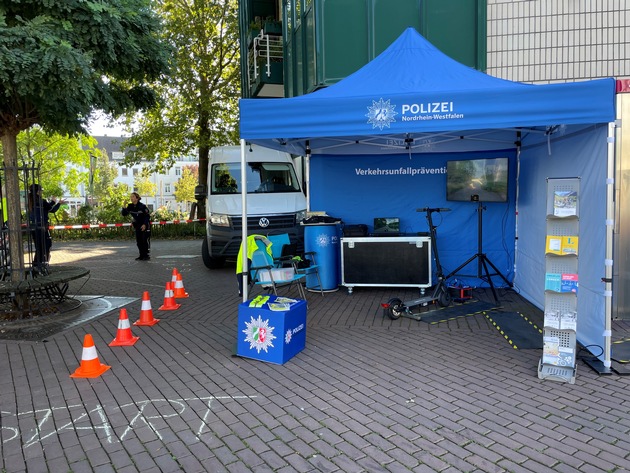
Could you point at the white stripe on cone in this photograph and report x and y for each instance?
(123, 323)
(146, 305)
(89, 353)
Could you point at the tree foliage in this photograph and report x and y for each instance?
(64, 59)
(104, 173)
(143, 185)
(59, 159)
(185, 186)
(61, 60)
(198, 107)
(116, 197)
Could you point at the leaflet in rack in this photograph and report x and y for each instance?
(562, 245)
(564, 203)
(554, 354)
(561, 320)
(566, 282)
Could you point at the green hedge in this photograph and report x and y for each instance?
(173, 231)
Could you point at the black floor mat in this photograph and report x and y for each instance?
(517, 329)
(621, 351)
(455, 311)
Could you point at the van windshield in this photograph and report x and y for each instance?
(261, 178)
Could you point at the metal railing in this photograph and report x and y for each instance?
(265, 47)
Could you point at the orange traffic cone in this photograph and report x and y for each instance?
(179, 292)
(169, 300)
(90, 367)
(124, 338)
(146, 313)
(174, 275)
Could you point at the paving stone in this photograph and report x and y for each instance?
(366, 394)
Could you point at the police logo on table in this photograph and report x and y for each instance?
(259, 334)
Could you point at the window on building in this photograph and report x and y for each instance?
(178, 171)
(124, 172)
(167, 188)
(135, 171)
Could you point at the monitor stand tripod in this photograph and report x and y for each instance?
(483, 260)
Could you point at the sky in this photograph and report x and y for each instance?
(100, 126)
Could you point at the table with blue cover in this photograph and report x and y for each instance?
(271, 335)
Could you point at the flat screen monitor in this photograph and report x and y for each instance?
(386, 225)
(477, 180)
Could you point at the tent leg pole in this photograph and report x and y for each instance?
(604, 367)
(244, 219)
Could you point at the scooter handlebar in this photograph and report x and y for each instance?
(429, 209)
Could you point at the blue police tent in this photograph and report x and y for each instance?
(378, 143)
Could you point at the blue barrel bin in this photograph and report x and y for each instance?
(323, 239)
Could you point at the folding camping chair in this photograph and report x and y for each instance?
(284, 252)
(266, 274)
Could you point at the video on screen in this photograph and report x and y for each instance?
(482, 180)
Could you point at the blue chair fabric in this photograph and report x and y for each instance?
(266, 274)
(283, 252)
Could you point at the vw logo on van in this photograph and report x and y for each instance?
(263, 222)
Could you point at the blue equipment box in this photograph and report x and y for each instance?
(270, 329)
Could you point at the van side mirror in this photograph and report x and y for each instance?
(201, 192)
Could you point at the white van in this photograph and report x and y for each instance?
(275, 200)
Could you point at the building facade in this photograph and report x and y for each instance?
(545, 41)
(164, 182)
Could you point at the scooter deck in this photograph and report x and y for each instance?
(423, 303)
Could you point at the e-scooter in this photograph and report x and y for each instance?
(396, 308)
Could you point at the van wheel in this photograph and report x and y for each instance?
(211, 262)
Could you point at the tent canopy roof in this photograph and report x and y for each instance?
(414, 98)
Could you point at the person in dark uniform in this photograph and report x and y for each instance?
(39, 208)
(141, 222)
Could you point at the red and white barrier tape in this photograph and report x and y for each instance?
(112, 225)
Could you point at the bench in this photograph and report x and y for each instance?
(50, 287)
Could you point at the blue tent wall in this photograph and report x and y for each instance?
(583, 155)
(354, 189)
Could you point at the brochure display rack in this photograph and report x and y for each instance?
(561, 281)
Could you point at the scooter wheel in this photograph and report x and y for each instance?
(445, 298)
(396, 308)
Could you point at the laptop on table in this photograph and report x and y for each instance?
(386, 226)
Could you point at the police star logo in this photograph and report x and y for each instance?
(259, 334)
(381, 114)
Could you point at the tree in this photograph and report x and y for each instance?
(198, 107)
(143, 184)
(58, 158)
(103, 175)
(185, 186)
(60, 61)
(115, 197)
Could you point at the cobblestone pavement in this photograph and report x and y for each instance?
(367, 394)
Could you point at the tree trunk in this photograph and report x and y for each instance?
(11, 176)
(203, 179)
(204, 147)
